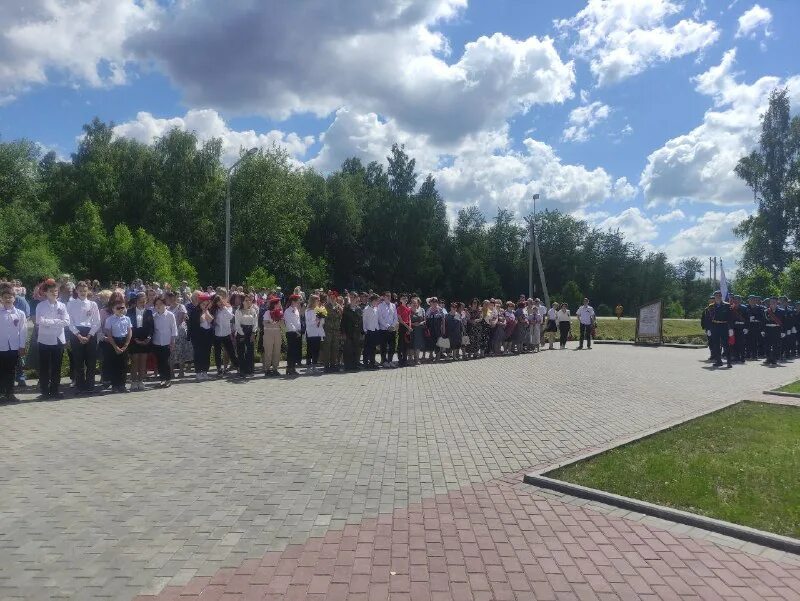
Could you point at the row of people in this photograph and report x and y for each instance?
(753, 330)
(347, 331)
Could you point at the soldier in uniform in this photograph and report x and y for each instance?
(720, 317)
(705, 323)
(738, 323)
(352, 328)
(755, 324)
(773, 331)
(329, 355)
(788, 324)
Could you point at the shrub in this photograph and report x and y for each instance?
(603, 310)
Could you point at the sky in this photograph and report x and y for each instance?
(629, 114)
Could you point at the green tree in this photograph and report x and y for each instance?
(674, 310)
(791, 285)
(758, 280)
(120, 254)
(571, 295)
(83, 243)
(151, 258)
(35, 259)
(183, 269)
(260, 278)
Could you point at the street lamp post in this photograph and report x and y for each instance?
(250, 152)
(533, 247)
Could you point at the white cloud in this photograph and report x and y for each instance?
(631, 222)
(81, 41)
(712, 235)
(370, 56)
(676, 215)
(622, 38)
(752, 20)
(209, 124)
(623, 190)
(699, 165)
(583, 119)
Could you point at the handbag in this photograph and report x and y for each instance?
(443, 343)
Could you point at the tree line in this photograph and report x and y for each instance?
(120, 209)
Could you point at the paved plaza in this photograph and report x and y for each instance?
(401, 484)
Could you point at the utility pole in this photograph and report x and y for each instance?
(533, 247)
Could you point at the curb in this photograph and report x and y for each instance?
(666, 344)
(766, 539)
(780, 393)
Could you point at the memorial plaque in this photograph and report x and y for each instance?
(649, 323)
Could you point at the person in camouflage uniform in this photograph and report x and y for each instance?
(352, 328)
(329, 354)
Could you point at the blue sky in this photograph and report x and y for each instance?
(628, 114)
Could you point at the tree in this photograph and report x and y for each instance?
(758, 280)
(674, 310)
(792, 282)
(35, 259)
(183, 269)
(571, 295)
(83, 243)
(769, 172)
(260, 278)
(120, 254)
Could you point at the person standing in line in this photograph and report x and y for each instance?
(329, 355)
(562, 316)
(535, 325)
(720, 317)
(755, 324)
(119, 331)
(51, 318)
(271, 321)
(84, 317)
(738, 323)
(165, 333)
(454, 330)
(352, 328)
(404, 331)
(201, 333)
(182, 353)
(773, 331)
(142, 320)
(315, 331)
(21, 303)
(372, 332)
(245, 321)
(552, 325)
(586, 321)
(223, 331)
(294, 336)
(788, 327)
(387, 324)
(13, 338)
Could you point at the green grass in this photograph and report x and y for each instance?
(740, 464)
(685, 331)
(794, 387)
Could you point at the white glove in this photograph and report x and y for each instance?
(783, 335)
(730, 331)
(763, 334)
(744, 331)
(794, 330)
(708, 332)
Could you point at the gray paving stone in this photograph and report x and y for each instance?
(110, 495)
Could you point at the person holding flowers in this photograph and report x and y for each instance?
(315, 330)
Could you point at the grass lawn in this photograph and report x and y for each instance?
(740, 464)
(794, 387)
(675, 330)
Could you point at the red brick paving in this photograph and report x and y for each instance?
(497, 541)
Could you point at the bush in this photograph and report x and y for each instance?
(260, 278)
(603, 310)
(674, 310)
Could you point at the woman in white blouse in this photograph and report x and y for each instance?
(562, 316)
(315, 331)
(245, 321)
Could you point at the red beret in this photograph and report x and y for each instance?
(294, 297)
(203, 297)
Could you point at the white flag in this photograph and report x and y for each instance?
(723, 282)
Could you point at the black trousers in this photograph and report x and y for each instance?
(371, 340)
(563, 330)
(162, 360)
(402, 347)
(8, 370)
(84, 360)
(313, 344)
(103, 347)
(117, 364)
(201, 342)
(50, 356)
(244, 348)
(351, 352)
(753, 341)
(225, 342)
(737, 351)
(586, 334)
(772, 343)
(387, 345)
(719, 342)
(294, 349)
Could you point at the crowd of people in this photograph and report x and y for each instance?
(759, 328)
(132, 330)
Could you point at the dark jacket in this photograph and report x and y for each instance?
(148, 325)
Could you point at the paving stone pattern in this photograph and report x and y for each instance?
(119, 496)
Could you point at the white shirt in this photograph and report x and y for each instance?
(563, 315)
(140, 316)
(85, 314)
(13, 329)
(551, 314)
(51, 319)
(585, 314)
(370, 318)
(165, 328)
(222, 321)
(244, 317)
(314, 325)
(387, 316)
(291, 317)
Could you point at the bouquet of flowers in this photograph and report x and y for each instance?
(321, 312)
(277, 313)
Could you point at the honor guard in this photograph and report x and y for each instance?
(755, 324)
(720, 318)
(788, 325)
(773, 331)
(705, 323)
(738, 323)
